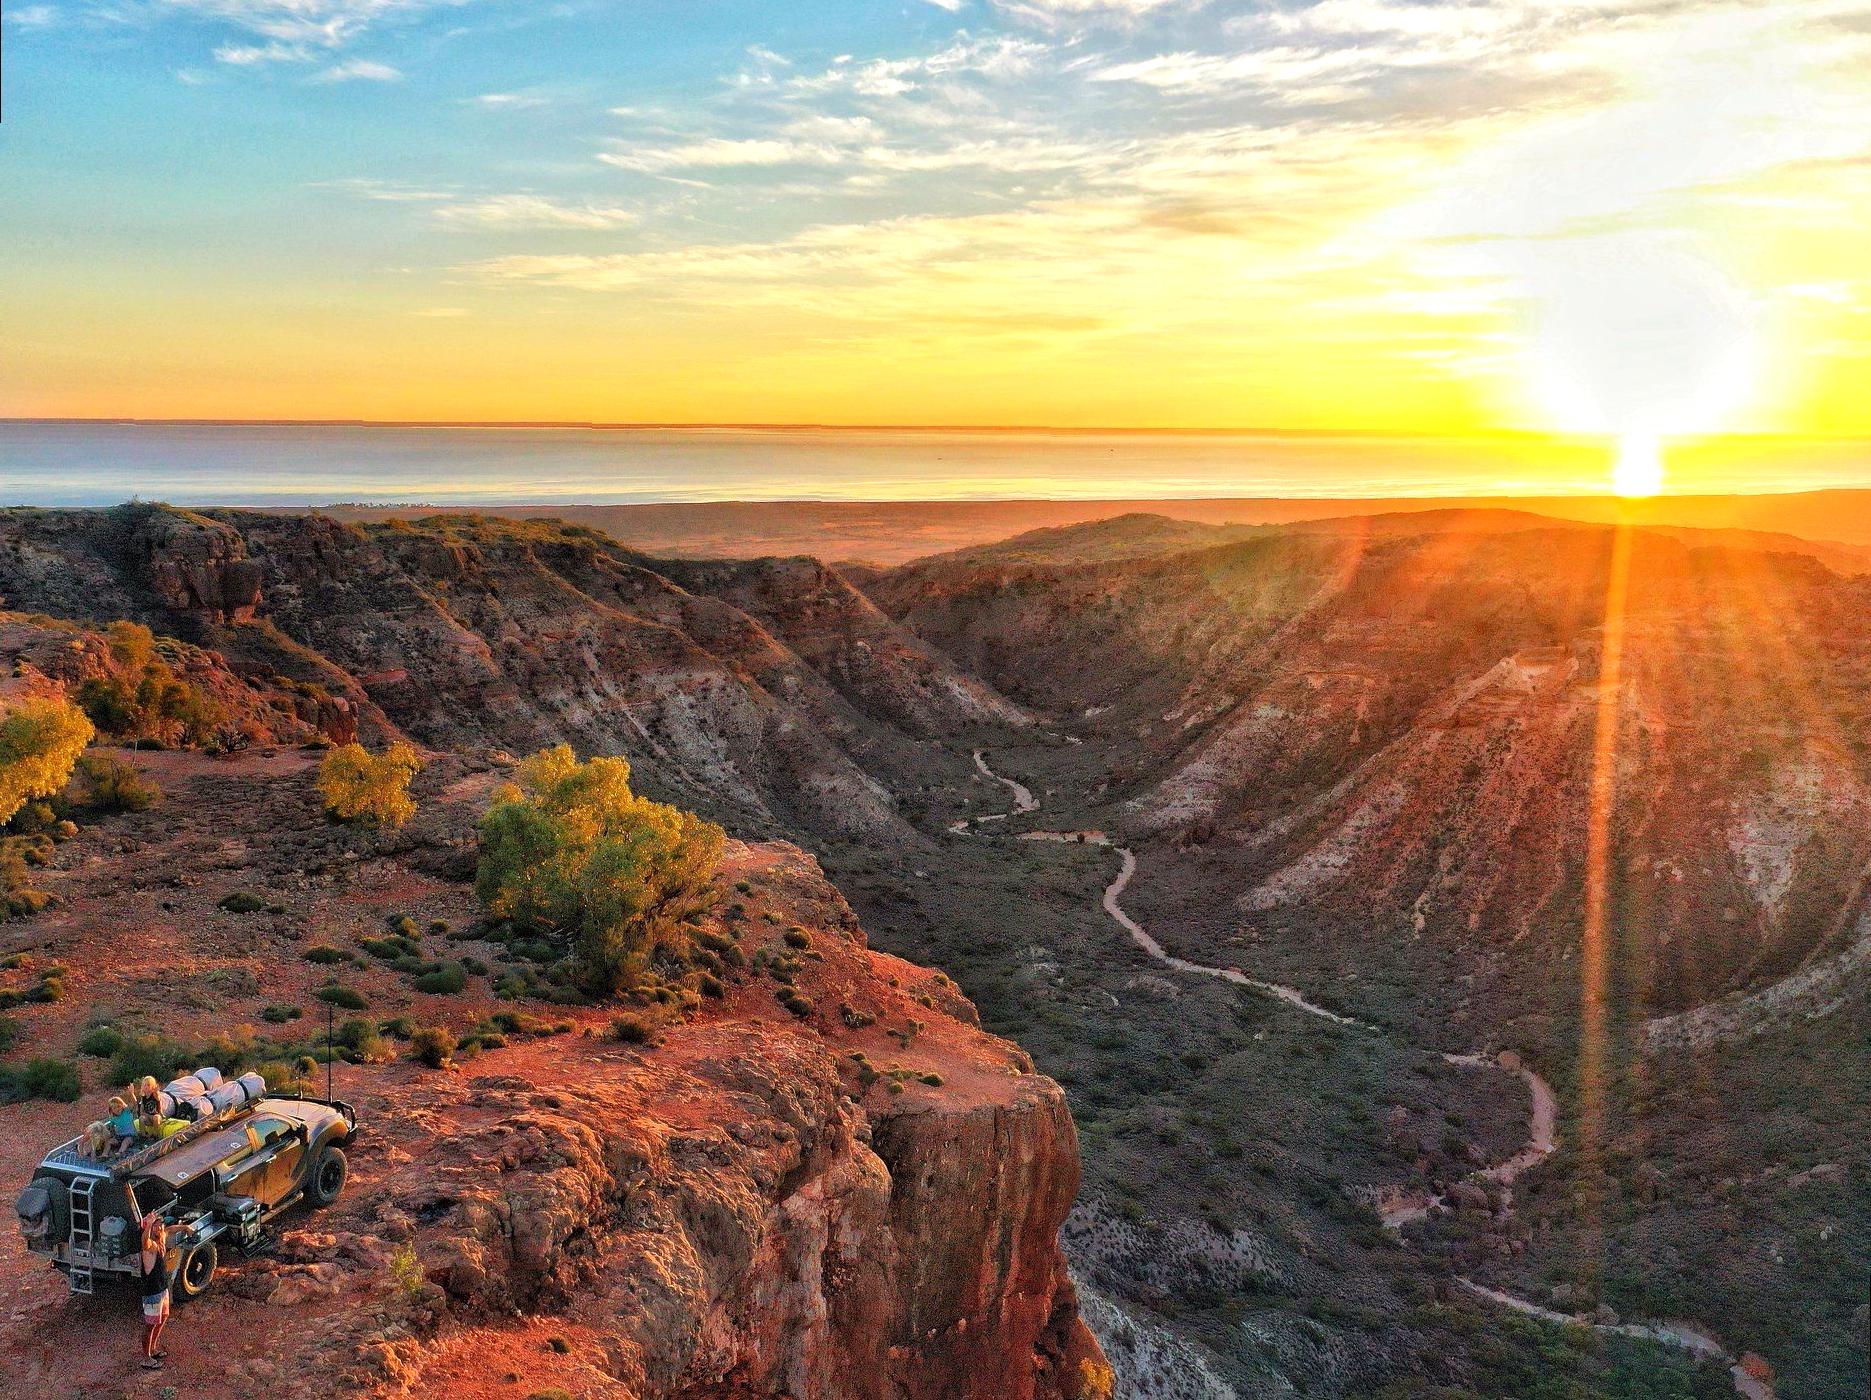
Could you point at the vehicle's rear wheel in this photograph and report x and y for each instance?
(328, 1176)
(197, 1271)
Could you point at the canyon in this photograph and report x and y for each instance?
(1349, 767)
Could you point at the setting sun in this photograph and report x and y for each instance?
(1639, 468)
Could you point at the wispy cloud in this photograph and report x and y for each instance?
(508, 101)
(532, 211)
(720, 153)
(359, 70)
(34, 17)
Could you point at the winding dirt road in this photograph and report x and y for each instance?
(1542, 1129)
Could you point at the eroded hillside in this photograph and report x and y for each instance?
(774, 695)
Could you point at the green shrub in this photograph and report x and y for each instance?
(474, 967)
(49, 989)
(406, 1271)
(56, 1080)
(433, 1045)
(242, 902)
(798, 938)
(145, 1054)
(445, 981)
(344, 998)
(440, 926)
(111, 785)
(391, 948)
(632, 1030)
(800, 1006)
(9, 1034)
(325, 954)
(364, 1042)
(405, 927)
(101, 1042)
(572, 850)
(279, 1015)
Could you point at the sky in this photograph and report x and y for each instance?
(1637, 218)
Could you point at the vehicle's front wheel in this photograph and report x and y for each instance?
(328, 1176)
(197, 1271)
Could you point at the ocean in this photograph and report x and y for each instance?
(98, 463)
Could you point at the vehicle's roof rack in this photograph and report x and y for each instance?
(77, 1156)
(162, 1147)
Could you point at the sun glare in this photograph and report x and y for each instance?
(1639, 469)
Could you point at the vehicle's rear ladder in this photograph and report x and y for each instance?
(83, 1233)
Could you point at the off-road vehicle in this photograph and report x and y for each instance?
(219, 1180)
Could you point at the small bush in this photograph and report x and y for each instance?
(632, 1030)
(405, 927)
(9, 1034)
(49, 989)
(798, 938)
(445, 981)
(344, 998)
(279, 1015)
(145, 1054)
(932, 1078)
(111, 785)
(373, 789)
(800, 1006)
(242, 902)
(101, 1042)
(325, 954)
(56, 1080)
(363, 1043)
(406, 1271)
(391, 948)
(433, 1045)
(474, 967)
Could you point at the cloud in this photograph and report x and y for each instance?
(360, 70)
(252, 55)
(532, 211)
(34, 17)
(291, 30)
(720, 153)
(507, 101)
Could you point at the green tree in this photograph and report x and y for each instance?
(572, 854)
(40, 741)
(359, 786)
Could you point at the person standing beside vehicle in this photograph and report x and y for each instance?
(155, 1262)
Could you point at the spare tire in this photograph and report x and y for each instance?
(44, 1210)
(197, 1271)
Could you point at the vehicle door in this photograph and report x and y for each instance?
(282, 1146)
(242, 1168)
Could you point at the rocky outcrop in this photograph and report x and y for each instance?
(864, 1202)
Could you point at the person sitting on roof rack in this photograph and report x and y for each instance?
(122, 1123)
(151, 1126)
